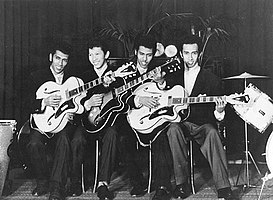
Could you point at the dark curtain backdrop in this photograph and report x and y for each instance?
(28, 26)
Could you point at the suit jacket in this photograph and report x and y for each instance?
(38, 78)
(206, 83)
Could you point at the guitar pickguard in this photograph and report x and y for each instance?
(67, 105)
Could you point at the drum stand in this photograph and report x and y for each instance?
(247, 155)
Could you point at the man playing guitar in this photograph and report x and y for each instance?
(108, 135)
(54, 177)
(145, 49)
(200, 124)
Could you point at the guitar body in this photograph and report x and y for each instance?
(105, 115)
(54, 120)
(145, 120)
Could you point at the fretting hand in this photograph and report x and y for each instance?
(220, 104)
(108, 78)
(158, 76)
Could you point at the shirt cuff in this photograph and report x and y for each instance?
(43, 105)
(86, 105)
(163, 85)
(219, 116)
(137, 103)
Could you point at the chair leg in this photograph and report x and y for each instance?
(191, 166)
(97, 166)
(150, 167)
(83, 188)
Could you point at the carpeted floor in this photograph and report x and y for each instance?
(22, 187)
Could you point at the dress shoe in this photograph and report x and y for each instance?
(41, 188)
(75, 189)
(56, 193)
(161, 193)
(104, 194)
(181, 191)
(225, 193)
(138, 191)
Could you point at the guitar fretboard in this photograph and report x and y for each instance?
(189, 100)
(142, 78)
(85, 87)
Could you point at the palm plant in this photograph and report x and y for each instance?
(157, 22)
(214, 26)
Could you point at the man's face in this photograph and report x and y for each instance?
(59, 61)
(190, 54)
(96, 57)
(144, 56)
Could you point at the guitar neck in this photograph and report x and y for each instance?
(140, 79)
(85, 87)
(192, 100)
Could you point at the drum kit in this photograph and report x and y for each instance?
(7, 128)
(259, 114)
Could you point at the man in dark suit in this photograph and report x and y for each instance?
(53, 177)
(200, 125)
(145, 49)
(98, 54)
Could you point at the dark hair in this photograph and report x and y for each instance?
(97, 43)
(191, 39)
(147, 41)
(62, 46)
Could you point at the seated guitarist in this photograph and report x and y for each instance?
(200, 126)
(108, 136)
(145, 49)
(53, 177)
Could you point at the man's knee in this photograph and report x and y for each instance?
(212, 132)
(174, 130)
(110, 134)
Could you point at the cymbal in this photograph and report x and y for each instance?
(159, 49)
(245, 75)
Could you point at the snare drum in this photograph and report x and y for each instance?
(7, 128)
(259, 110)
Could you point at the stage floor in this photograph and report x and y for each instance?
(22, 186)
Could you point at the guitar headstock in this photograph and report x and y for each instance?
(238, 99)
(171, 65)
(125, 70)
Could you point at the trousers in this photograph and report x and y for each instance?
(60, 146)
(210, 145)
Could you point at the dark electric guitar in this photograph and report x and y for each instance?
(173, 107)
(114, 101)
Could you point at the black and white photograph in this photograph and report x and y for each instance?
(136, 99)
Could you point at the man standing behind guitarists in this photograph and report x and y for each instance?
(201, 123)
(53, 177)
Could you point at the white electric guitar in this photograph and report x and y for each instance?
(172, 106)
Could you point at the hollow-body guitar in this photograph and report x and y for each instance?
(52, 120)
(173, 106)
